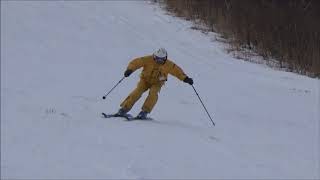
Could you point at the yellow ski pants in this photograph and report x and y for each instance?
(142, 87)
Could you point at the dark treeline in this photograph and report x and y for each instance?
(285, 30)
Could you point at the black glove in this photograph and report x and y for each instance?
(127, 72)
(188, 80)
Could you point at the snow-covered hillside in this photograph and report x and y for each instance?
(58, 58)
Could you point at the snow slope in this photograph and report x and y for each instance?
(58, 58)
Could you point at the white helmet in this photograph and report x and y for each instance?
(160, 56)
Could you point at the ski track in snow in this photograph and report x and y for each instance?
(58, 58)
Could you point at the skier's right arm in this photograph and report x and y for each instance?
(136, 63)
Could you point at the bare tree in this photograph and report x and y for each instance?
(286, 30)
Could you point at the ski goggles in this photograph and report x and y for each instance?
(160, 60)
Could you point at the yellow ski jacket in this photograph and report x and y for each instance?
(155, 73)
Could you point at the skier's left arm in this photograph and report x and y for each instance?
(176, 71)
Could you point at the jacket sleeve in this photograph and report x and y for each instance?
(136, 63)
(176, 71)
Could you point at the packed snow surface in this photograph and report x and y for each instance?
(58, 58)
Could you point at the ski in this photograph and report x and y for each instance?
(145, 119)
(128, 117)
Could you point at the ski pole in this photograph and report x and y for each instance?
(203, 105)
(104, 97)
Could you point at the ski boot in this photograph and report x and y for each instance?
(142, 115)
(121, 113)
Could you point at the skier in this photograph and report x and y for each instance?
(156, 68)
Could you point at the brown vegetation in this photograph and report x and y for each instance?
(285, 30)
